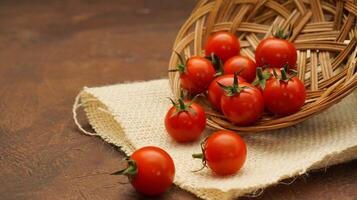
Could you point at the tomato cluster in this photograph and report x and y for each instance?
(240, 89)
(269, 83)
(235, 86)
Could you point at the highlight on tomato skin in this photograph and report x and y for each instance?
(224, 152)
(150, 170)
(223, 44)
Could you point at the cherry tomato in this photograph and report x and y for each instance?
(243, 104)
(284, 96)
(245, 66)
(185, 121)
(224, 152)
(215, 92)
(276, 52)
(150, 170)
(196, 74)
(223, 44)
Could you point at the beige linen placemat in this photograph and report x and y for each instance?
(131, 115)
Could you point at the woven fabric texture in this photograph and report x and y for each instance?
(132, 115)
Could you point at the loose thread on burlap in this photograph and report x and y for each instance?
(256, 193)
(289, 182)
(77, 105)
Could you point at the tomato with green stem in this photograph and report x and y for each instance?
(224, 152)
(195, 74)
(285, 94)
(185, 121)
(222, 44)
(215, 92)
(242, 104)
(276, 52)
(150, 170)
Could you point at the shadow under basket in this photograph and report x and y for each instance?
(324, 33)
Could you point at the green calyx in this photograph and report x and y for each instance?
(130, 171)
(181, 106)
(235, 89)
(201, 156)
(261, 78)
(280, 33)
(285, 76)
(181, 67)
(217, 64)
(198, 155)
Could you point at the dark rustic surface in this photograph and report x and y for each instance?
(49, 50)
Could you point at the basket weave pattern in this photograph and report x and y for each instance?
(324, 33)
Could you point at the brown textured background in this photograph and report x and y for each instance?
(49, 50)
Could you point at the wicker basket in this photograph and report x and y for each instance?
(324, 33)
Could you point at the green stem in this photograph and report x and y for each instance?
(235, 88)
(280, 33)
(197, 155)
(275, 74)
(182, 104)
(284, 76)
(217, 63)
(131, 170)
(286, 67)
(260, 73)
(181, 66)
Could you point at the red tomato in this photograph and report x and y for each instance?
(150, 170)
(225, 152)
(223, 44)
(243, 108)
(196, 74)
(284, 97)
(276, 52)
(215, 92)
(243, 65)
(185, 121)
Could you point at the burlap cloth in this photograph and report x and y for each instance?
(131, 115)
